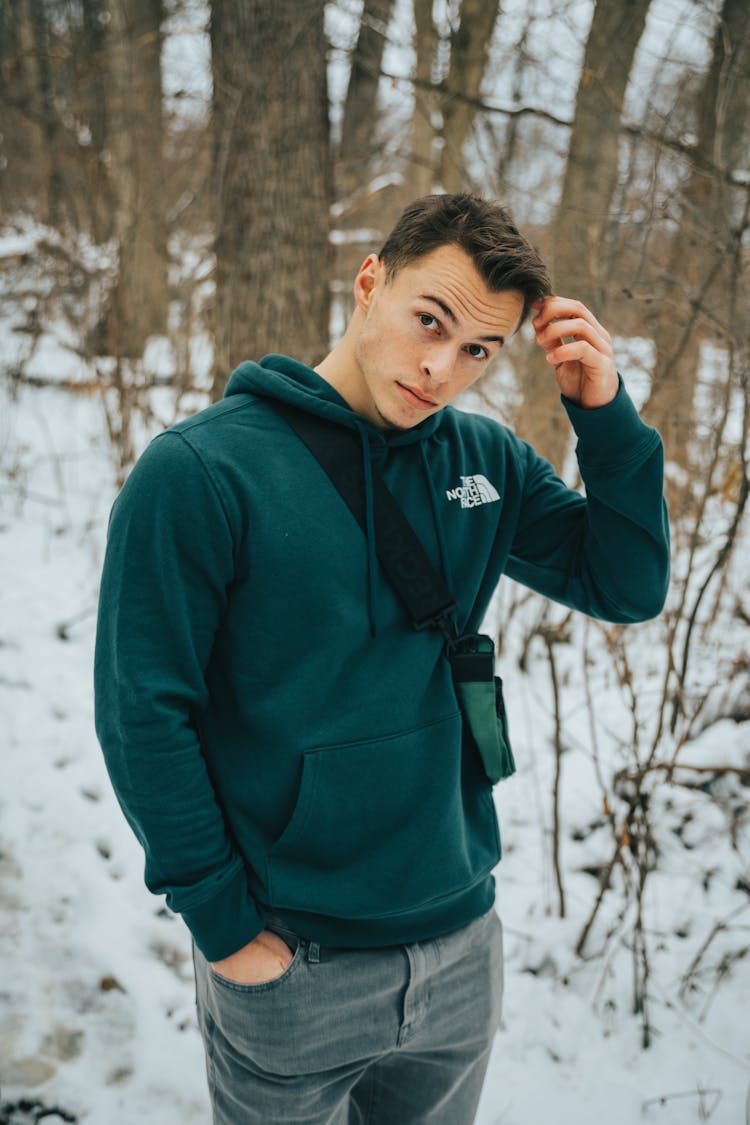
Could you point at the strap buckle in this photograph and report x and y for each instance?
(445, 621)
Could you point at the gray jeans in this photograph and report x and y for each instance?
(399, 1035)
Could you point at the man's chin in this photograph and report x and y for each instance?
(402, 423)
(386, 423)
(402, 427)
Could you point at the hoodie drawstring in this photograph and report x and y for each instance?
(370, 530)
(440, 533)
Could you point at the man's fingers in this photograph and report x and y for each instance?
(564, 308)
(571, 326)
(578, 329)
(583, 352)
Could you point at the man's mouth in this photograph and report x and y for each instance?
(416, 397)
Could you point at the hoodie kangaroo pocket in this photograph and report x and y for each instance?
(384, 826)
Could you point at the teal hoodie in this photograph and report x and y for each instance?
(278, 734)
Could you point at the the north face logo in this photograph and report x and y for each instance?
(474, 491)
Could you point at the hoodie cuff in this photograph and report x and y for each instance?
(609, 434)
(226, 922)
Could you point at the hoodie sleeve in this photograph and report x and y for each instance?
(168, 564)
(605, 553)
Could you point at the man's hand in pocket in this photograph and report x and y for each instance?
(263, 959)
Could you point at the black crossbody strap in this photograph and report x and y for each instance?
(403, 558)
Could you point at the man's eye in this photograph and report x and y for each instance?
(476, 351)
(428, 320)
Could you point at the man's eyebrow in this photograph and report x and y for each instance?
(452, 316)
(446, 308)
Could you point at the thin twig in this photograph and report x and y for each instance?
(718, 928)
(550, 638)
(700, 1093)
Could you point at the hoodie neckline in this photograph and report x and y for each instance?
(282, 377)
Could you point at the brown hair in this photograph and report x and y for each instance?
(484, 229)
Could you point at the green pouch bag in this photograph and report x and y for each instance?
(480, 696)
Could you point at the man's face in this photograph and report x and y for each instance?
(427, 335)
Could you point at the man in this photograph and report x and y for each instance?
(288, 748)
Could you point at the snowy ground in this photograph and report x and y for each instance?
(96, 994)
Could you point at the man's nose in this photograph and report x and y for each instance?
(438, 365)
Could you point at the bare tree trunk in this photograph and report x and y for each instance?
(509, 149)
(273, 181)
(698, 260)
(421, 173)
(30, 125)
(52, 92)
(94, 90)
(590, 178)
(138, 306)
(53, 212)
(360, 109)
(580, 228)
(20, 143)
(470, 45)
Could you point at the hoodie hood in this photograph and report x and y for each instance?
(281, 377)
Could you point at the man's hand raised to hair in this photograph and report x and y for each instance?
(584, 367)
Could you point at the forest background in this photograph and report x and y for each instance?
(184, 185)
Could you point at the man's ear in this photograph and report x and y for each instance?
(366, 280)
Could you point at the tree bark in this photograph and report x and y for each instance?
(20, 137)
(272, 181)
(52, 204)
(30, 124)
(421, 173)
(470, 45)
(138, 307)
(583, 215)
(591, 168)
(93, 93)
(695, 275)
(360, 109)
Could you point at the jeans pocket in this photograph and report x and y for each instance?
(295, 945)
